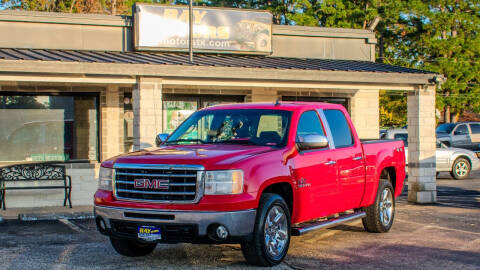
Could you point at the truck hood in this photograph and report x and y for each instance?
(208, 155)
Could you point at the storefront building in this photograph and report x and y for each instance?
(80, 89)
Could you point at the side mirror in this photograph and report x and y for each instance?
(312, 142)
(161, 138)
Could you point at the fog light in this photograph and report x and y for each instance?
(222, 232)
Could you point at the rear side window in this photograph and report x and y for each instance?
(475, 128)
(309, 124)
(342, 135)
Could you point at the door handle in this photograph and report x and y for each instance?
(331, 162)
(357, 158)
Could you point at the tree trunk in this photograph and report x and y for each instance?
(380, 49)
(114, 7)
(447, 114)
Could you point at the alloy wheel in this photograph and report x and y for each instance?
(276, 231)
(461, 168)
(386, 207)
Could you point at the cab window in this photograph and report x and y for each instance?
(309, 124)
(475, 128)
(341, 133)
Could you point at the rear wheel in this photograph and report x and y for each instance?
(271, 235)
(460, 169)
(132, 248)
(380, 215)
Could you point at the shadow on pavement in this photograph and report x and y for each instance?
(448, 196)
(392, 256)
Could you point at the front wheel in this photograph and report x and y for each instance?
(380, 215)
(271, 235)
(460, 169)
(132, 248)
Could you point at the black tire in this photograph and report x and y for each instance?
(132, 248)
(458, 169)
(373, 222)
(255, 250)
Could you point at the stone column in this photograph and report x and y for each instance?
(422, 187)
(147, 111)
(364, 110)
(112, 122)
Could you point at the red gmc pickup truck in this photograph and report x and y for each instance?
(254, 174)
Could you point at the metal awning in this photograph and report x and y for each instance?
(214, 60)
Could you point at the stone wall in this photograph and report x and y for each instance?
(364, 110)
(422, 187)
(112, 122)
(147, 111)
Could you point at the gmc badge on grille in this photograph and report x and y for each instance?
(151, 183)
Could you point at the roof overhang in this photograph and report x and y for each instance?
(122, 73)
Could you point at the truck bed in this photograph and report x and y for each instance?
(381, 154)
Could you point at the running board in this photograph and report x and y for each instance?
(327, 223)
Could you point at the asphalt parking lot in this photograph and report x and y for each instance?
(441, 236)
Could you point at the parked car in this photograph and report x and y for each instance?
(461, 135)
(253, 174)
(459, 162)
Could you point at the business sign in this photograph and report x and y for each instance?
(166, 28)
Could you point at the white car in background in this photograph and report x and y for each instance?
(459, 162)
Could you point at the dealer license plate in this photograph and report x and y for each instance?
(149, 233)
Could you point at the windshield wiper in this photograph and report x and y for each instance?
(186, 140)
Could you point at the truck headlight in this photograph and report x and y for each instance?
(223, 182)
(105, 177)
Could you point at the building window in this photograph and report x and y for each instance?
(177, 108)
(48, 128)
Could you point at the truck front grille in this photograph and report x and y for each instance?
(158, 183)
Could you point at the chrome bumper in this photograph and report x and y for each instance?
(238, 223)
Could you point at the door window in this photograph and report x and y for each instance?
(461, 130)
(309, 124)
(341, 133)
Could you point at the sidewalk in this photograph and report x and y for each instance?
(47, 213)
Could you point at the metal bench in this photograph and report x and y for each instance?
(33, 174)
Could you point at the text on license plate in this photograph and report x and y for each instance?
(149, 233)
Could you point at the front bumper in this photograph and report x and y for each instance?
(194, 224)
(475, 163)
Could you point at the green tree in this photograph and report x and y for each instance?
(393, 109)
(441, 36)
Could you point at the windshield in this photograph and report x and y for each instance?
(250, 126)
(445, 128)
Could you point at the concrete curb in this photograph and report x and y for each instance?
(55, 216)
